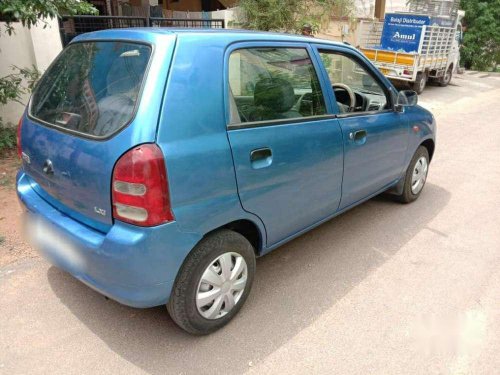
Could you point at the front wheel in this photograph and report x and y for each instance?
(415, 176)
(446, 79)
(213, 283)
(420, 83)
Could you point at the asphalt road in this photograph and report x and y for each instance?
(382, 289)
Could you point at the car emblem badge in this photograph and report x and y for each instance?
(48, 168)
(100, 211)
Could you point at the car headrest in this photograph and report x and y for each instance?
(124, 75)
(274, 93)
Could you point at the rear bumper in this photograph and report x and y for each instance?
(133, 265)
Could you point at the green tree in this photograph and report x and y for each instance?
(31, 12)
(481, 44)
(20, 81)
(291, 15)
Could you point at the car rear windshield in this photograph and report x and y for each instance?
(92, 88)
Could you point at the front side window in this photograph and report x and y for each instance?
(355, 89)
(272, 84)
(92, 88)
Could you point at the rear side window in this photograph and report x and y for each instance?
(92, 88)
(273, 83)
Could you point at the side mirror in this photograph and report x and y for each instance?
(406, 98)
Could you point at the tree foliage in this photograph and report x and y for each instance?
(31, 12)
(7, 138)
(481, 44)
(291, 15)
(20, 81)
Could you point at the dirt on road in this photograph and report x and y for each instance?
(12, 246)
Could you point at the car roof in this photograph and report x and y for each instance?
(230, 35)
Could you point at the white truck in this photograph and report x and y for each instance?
(416, 46)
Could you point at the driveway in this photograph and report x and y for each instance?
(382, 289)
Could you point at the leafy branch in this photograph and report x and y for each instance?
(481, 45)
(291, 15)
(32, 12)
(12, 86)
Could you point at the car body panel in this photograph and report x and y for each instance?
(133, 265)
(302, 184)
(378, 160)
(204, 193)
(184, 109)
(422, 128)
(303, 180)
(82, 166)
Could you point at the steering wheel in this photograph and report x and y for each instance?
(352, 97)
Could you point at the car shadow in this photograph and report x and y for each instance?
(293, 286)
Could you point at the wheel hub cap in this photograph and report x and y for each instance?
(221, 285)
(419, 175)
(422, 83)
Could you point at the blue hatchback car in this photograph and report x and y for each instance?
(159, 163)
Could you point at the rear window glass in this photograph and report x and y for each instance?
(92, 88)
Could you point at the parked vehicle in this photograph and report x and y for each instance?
(416, 46)
(158, 164)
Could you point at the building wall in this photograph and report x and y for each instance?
(196, 5)
(341, 30)
(37, 46)
(366, 8)
(183, 5)
(230, 16)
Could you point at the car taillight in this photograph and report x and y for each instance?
(140, 187)
(18, 138)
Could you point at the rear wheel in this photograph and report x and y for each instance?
(213, 283)
(415, 176)
(420, 83)
(446, 79)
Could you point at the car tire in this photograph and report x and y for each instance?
(420, 83)
(416, 172)
(207, 271)
(446, 78)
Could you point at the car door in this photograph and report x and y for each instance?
(375, 136)
(286, 143)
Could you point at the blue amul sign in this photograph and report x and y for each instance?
(402, 32)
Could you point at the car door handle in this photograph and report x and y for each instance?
(261, 158)
(359, 136)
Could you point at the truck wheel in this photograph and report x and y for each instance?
(446, 79)
(415, 176)
(420, 82)
(213, 283)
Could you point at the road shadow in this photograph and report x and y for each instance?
(294, 285)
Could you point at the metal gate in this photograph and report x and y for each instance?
(71, 26)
